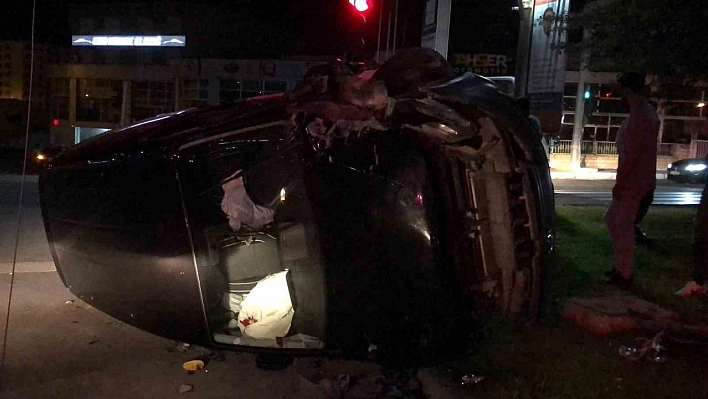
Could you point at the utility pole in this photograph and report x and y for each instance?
(523, 48)
(579, 123)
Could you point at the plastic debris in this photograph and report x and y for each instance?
(239, 207)
(650, 349)
(182, 346)
(69, 302)
(184, 388)
(301, 341)
(267, 312)
(193, 366)
(471, 379)
(630, 353)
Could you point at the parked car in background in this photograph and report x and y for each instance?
(692, 170)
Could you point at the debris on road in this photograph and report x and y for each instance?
(69, 302)
(650, 349)
(193, 366)
(471, 379)
(184, 388)
(94, 341)
(182, 346)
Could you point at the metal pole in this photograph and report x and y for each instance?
(395, 28)
(523, 50)
(378, 42)
(388, 34)
(579, 123)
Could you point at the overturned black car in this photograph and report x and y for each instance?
(399, 209)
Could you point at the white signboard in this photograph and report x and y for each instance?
(436, 26)
(548, 55)
(129, 41)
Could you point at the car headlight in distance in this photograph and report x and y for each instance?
(670, 166)
(40, 157)
(696, 167)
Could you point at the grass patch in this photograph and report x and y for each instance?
(558, 360)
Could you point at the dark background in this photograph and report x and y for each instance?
(261, 28)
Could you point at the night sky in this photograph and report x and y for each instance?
(308, 26)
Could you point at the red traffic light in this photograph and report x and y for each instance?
(360, 5)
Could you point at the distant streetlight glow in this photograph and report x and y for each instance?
(360, 5)
(701, 105)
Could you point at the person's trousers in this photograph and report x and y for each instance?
(620, 219)
(644, 205)
(700, 240)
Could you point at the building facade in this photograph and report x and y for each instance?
(683, 132)
(88, 99)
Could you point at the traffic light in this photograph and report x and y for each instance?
(590, 102)
(360, 5)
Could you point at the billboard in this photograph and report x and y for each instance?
(482, 64)
(436, 26)
(548, 56)
(483, 37)
(129, 41)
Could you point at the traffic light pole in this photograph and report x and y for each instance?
(523, 48)
(579, 122)
(378, 42)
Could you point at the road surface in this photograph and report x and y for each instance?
(60, 347)
(599, 192)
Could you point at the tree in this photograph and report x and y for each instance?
(665, 38)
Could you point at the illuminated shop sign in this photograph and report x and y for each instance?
(129, 41)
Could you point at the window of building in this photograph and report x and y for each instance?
(194, 93)
(674, 132)
(275, 86)
(251, 88)
(204, 89)
(229, 90)
(150, 99)
(611, 105)
(98, 100)
(683, 108)
(566, 132)
(571, 89)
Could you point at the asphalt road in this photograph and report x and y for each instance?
(599, 192)
(60, 347)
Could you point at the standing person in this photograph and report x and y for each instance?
(636, 175)
(639, 234)
(698, 286)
